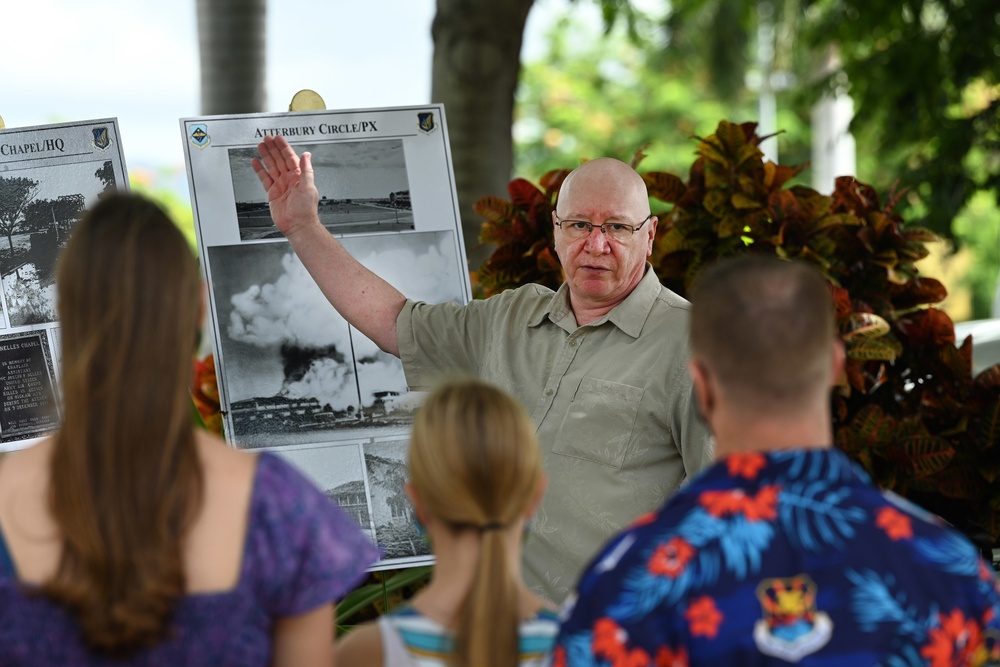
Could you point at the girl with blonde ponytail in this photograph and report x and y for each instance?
(475, 479)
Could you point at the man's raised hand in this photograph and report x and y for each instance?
(289, 182)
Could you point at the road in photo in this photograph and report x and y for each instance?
(363, 188)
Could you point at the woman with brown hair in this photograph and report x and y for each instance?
(475, 478)
(129, 537)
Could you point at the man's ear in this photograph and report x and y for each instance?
(837, 359)
(702, 388)
(651, 235)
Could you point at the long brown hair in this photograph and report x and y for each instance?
(475, 463)
(126, 481)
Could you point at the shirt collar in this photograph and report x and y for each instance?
(629, 315)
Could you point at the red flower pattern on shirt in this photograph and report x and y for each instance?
(703, 617)
(895, 524)
(609, 639)
(667, 658)
(755, 508)
(609, 642)
(670, 559)
(956, 643)
(745, 464)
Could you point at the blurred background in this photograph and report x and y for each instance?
(531, 85)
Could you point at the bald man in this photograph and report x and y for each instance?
(601, 363)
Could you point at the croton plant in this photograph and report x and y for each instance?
(908, 408)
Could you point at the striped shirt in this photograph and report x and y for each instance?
(411, 639)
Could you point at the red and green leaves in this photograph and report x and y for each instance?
(907, 408)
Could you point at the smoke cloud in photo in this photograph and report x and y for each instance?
(281, 337)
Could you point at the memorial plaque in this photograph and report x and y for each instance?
(27, 397)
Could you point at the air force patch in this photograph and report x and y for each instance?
(425, 121)
(199, 135)
(791, 627)
(102, 139)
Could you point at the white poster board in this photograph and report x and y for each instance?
(49, 175)
(294, 377)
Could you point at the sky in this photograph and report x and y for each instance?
(137, 60)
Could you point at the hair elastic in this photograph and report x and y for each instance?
(493, 525)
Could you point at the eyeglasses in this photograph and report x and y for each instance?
(619, 231)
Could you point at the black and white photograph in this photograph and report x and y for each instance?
(363, 188)
(396, 530)
(28, 406)
(38, 208)
(340, 472)
(293, 371)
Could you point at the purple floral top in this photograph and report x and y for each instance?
(301, 551)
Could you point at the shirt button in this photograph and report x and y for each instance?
(548, 392)
(572, 343)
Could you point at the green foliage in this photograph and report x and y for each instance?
(923, 75)
(379, 594)
(925, 81)
(597, 95)
(522, 232)
(977, 229)
(907, 408)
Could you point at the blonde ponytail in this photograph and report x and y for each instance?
(475, 464)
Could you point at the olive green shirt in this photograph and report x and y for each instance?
(613, 402)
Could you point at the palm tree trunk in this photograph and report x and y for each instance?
(231, 38)
(477, 62)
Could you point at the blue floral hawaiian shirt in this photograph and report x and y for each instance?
(784, 557)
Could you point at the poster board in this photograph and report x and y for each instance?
(294, 378)
(49, 175)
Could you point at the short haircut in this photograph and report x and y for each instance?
(764, 327)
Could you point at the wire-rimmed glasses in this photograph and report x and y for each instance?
(619, 231)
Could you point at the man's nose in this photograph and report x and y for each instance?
(597, 242)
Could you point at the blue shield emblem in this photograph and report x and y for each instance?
(199, 135)
(425, 121)
(102, 139)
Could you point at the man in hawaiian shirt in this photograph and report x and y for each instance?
(783, 551)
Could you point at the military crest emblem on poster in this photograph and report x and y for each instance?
(199, 135)
(425, 121)
(102, 138)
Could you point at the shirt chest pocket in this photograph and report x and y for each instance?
(598, 424)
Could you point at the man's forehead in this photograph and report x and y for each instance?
(594, 213)
(616, 192)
